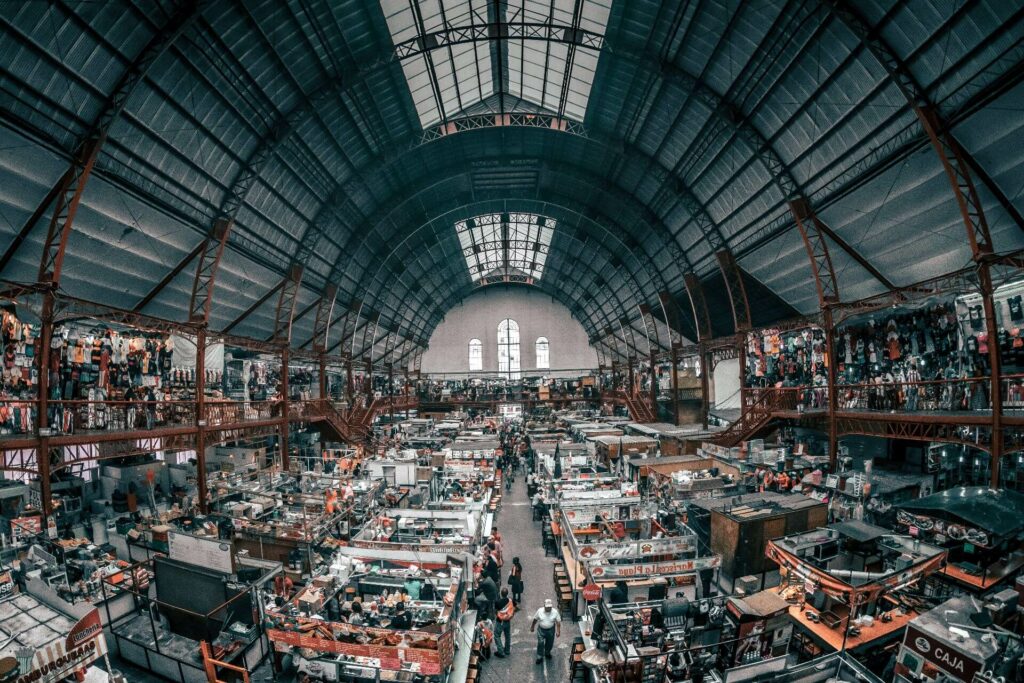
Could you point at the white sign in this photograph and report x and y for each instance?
(203, 552)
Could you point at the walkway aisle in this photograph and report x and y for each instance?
(523, 540)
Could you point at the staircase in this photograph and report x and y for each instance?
(350, 426)
(757, 413)
(638, 408)
(330, 419)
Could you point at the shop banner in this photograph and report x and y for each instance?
(622, 551)
(55, 662)
(942, 656)
(444, 548)
(605, 572)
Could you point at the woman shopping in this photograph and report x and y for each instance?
(515, 581)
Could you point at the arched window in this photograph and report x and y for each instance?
(508, 348)
(476, 355)
(543, 353)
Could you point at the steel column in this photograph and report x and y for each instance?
(695, 290)
(348, 381)
(201, 420)
(813, 235)
(675, 384)
(322, 376)
(284, 409)
(43, 419)
(705, 387)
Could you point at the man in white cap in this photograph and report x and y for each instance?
(550, 622)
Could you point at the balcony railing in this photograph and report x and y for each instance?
(72, 417)
(229, 413)
(945, 395)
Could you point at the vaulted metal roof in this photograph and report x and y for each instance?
(353, 137)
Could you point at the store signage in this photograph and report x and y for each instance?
(415, 547)
(628, 571)
(205, 552)
(940, 654)
(24, 528)
(84, 645)
(618, 551)
(6, 585)
(592, 592)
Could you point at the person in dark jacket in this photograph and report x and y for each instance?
(402, 620)
(489, 589)
(620, 594)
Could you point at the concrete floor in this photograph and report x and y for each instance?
(522, 537)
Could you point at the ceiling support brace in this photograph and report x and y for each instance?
(733, 277)
(954, 162)
(285, 311)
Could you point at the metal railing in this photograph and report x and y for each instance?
(231, 412)
(70, 417)
(943, 395)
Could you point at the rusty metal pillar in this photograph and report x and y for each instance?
(813, 232)
(833, 398)
(675, 384)
(284, 409)
(322, 379)
(706, 368)
(391, 391)
(742, 358)
(702, 319)
(349, 379)
(201, 419)
(43, 418)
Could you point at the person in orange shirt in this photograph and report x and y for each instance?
(783, 480)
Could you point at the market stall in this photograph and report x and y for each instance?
(378, 615)
(844, 582)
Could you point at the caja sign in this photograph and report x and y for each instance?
(941, 655)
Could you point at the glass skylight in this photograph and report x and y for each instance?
(503, 245)
(465, 57)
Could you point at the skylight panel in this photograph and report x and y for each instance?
(505, 245)
(447, 49)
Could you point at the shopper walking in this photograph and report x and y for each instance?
(550, 623)
(489, 589)
(515, 581)
(505, 609)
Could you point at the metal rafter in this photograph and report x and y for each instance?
(645, 216)
(498, 31)
(72, 183)
(953, 159)
(630, 280)
(695, 291)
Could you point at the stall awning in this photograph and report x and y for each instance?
(1000, 513)
(860, 531)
